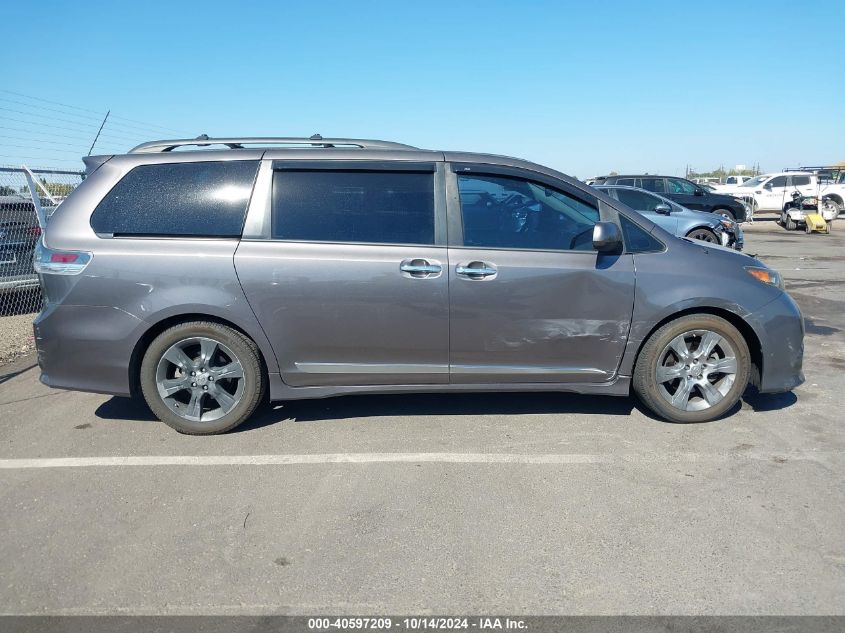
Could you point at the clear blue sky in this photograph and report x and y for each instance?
(585, 87)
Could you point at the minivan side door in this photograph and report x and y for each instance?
(531, 300)
(345, 266)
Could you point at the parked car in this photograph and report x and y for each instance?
(774, 192)
(685, 193)
(730, 182)
(678, 220)
(208, 281)
(19, 233)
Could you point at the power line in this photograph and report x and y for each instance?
(39, 140)
(99, 114)
(54, 118)
(59, 127)
(18, 129)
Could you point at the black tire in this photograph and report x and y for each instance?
(247, 355)
(705, 235)
(728, 212)
(645, 382)
(790, 224)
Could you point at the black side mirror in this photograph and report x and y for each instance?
(607, 237)
(663, 208)
(699, 192)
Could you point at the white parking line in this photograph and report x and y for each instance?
(387, 458)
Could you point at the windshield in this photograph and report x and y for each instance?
(754, 182)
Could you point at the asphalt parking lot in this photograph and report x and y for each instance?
(505, 503)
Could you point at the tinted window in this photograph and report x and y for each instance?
(653, 184)
(679, 185)
(638, 200)
(636, 239)
(501, 212)
(627, 182)
(800, 181)
(184, 199)
(778, 181)
(731, 180)
(354, 206)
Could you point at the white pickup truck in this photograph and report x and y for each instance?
(773, 192)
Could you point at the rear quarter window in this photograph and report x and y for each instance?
(204, 199)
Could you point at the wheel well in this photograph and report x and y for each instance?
(699, 228)
(836, 198)
(724, 210)
(148, 337)
(747, 332)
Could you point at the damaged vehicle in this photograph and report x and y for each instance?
(208, 281)
(678, 220)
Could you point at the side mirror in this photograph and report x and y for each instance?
(606, 237)
(663, 208)
(699, 192)
(767, 186)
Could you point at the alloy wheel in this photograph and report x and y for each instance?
(696, 370)
(200, 379)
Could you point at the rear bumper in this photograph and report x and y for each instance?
(86, 348)
(780, 327)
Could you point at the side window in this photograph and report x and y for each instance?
(653, 184)
(638, 200)
(679, 185)
(503, 212)
(800, 181)
(636, 239)
(205, 199)
(373, 207)
(778, 181)
(730, 180)
(627, 182)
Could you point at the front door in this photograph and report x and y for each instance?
(531, 301)
(351, 285)
(774, 195)
(683, 192)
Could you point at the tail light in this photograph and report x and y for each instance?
(48, 261)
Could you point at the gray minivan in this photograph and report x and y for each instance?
(211, 280)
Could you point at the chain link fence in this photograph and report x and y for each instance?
(20, 230)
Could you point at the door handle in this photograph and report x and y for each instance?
(476, 269)
(419, 268)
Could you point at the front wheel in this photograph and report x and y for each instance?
(789, 224)
(705, 235)
(202, 378)
(693, 369)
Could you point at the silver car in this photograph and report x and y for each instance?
(678, 220)
(210, 281)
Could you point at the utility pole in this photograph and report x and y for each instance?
(98, 132)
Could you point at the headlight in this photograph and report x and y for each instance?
(728, 224)
(766, 275)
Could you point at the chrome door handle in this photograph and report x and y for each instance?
(481, 271)
(420, 267)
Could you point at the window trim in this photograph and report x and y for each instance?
(456, 220)
(259, 220)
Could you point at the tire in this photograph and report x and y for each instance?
(727, 212)
(833, 206)
(807, 228)
(829, 227)
(789, 224)
(702, 403)
(705, 235)
(188, 402)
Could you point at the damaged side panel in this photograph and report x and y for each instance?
(558, 317)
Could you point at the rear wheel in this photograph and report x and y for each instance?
(693, 369)
(202, 378)
(705, 235)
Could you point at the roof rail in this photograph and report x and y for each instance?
(238, 143)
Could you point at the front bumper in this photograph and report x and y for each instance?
(780, 327)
